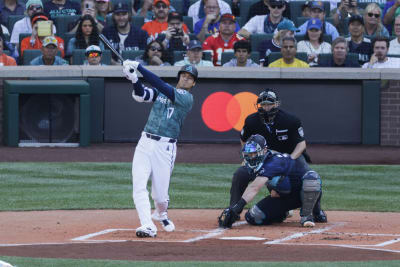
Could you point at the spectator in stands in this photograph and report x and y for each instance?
(357, 43)
(306, 9)
(394, 48)
(86, 35)
(154, 55)
(35, 41)
(49, 53)
(210, 23)
(196, 11)
(13, 52)
(223, 40)
(266, 47)
(313, 43)
(194, 56)
(318, 12)
(103, 8)
(372, 22)
(9, 8)
(88, 7)
(55, 8)
(288, 60)
(160, 21)
(339, 57)
(390, 12)
(340, 16)
(93, 56)
(265, 23)
(146, 10)
(379, 59)
(174, 38)
(242, 54)
(261, 8)
(122, 34)
(4, 59)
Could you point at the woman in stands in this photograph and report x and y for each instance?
(372, 22)
(313, 43)
(154, 55)
(103, 7)
(88, 7)
(86, 35)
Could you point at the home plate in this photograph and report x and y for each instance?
(243, 238)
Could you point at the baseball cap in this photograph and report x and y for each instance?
(356, 17)
(194, 44)
(287, 25)
(49, 40)
(317, 4)
(228, 16)
(121, 7)
(276, 2)
(314, 24)
(33, 2)
(163, 1)
(93, 48)
(175, 15)
(38, 16)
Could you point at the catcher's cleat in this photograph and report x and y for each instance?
(307, 221)
(320, 217)
(146, 231)
(166, 223)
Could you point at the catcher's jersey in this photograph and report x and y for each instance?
(166, 117)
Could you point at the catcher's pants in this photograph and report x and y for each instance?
(155, 159)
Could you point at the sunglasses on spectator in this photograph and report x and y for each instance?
(374, 15)
(160, 5)
(93, 54)
(277, 6)
(155, 49)
(35, 8)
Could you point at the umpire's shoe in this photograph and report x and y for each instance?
(146, 231)
(166, 223)
(320, 217)
(307, 221)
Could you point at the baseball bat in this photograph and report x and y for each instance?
(109, 45)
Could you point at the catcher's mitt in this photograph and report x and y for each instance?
(227, 218)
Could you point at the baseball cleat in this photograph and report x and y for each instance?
(146, 231)
(320, 217)
(307, 221)
(166, 223)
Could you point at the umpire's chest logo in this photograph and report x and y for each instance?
(282, 134)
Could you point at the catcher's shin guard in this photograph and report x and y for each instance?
(256, 216)
(310, 193)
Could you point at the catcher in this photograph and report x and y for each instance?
(291, 183)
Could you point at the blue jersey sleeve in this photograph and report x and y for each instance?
(278, 165)
(157, 83)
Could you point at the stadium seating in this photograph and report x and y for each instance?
(257, 38)
(178, 5)
(244, 9)
(277, 55)
(189, 22)
(78, 57)
(11, 21)
(352, 56)
(226, 56)
(62, 22)
(132, 54)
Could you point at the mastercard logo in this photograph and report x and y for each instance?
(223, 112)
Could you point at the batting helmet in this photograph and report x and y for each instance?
(267, 97)
(254, 152)
(191, 69)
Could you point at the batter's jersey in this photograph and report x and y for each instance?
(166, 117)
(282, 136)
(216, 45)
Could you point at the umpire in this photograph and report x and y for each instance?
(283, 133)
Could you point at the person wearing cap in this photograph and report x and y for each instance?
(210, 23)
(288, 51)
(10, 8)
(174, 38)
(122, 34)
(339, 57)
(88, 8)
(261, 8)
(223, 40)
(358, 44)
(306, 9)
(313, 43)
(379, 59)
(4, 59)
(93, 56)
(55, 8)
(49, 54)
(242, 53)
(146, 10)
(197, 11)
(35, 41)
(318, 12)
(266, 47)
(265, 23)
(160, 21)
(194, 56)
(343, 12)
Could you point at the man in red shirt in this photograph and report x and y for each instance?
(160, 23)
(224, 40)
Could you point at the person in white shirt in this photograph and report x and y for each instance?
(197, 9)
(394, 48)
(379, 59)
(194, 56)
(313, 43)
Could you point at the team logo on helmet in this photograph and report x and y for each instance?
(254, 152)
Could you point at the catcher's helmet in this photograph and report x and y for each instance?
(254, 152)
(267, 97)
(191, 69)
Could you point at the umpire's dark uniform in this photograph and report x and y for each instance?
(282, 135)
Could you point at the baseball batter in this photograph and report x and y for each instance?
(156, 150)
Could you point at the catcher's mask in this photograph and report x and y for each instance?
(267, 97)
(254, 152)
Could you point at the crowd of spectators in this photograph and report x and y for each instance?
(228, 33)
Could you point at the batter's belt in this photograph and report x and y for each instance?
(160, 138)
